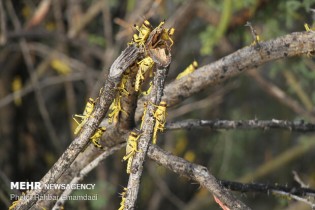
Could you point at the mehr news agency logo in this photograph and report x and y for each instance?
(38, 185)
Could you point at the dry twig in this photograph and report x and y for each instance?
(197, 173)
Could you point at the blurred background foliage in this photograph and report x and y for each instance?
(71, 45)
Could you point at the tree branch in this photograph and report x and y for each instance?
(197, 173)
(298, 198)
(106, 97)
(294, 44)
(79, 177)
(143, 143)
(298, 126)
(266, 188)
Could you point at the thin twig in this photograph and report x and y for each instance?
(45, 51)
(280, 95)
(34, 81)
(69, 87)
(305, 145)
(57, 11)
(3, 25)
(92, 11)
(165, 189)
(298, 126)
(295, 197)
(39, 14)
(298, 179)
(211, 101)
(182, 17)
(266, 188)
(50, 81)
(108, 28)
(133, 17)
(296, 86)
(90, 48)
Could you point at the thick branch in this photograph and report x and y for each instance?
(148, 126)
(197, 173)
(294, 44)
(299, 126)
(106, 97)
